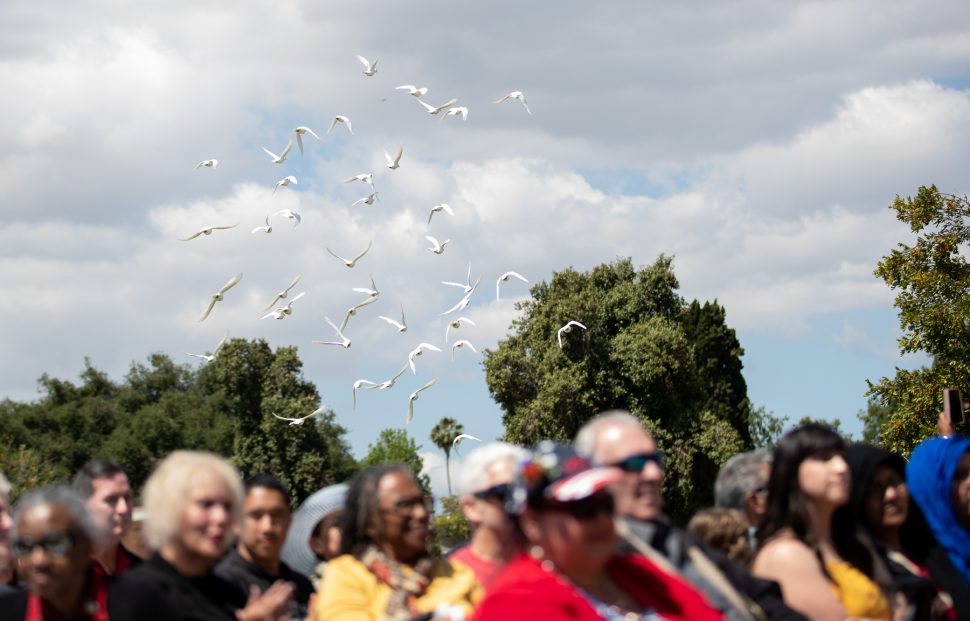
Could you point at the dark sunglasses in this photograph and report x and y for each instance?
(495, 492)
(636, 463)
(585, 509)
(57, 545)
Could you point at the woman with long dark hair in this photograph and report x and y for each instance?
(824, 570)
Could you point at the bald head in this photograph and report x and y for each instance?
(616, 438)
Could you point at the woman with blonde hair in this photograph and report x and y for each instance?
(193, 502)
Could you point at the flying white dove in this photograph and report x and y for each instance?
(505, 278)
(464, 301)
(461, 111)
(417, 351)
(467, 285)
(445, 207)
(352, 311)
(283, 311)
(207, 164)
(370, 68)
(516, 95)
(279, 159)
(282, 294)
(390, 383)
(299, 421)
(215, 352)
(219, 295)
(292, 215)
(401, 326)
(367, 178)
(462, 343)
(436, 246)
(367, 200)
(414, 397)
(351, 262)
(463, 436)
(265, 229)
(208, 231)
(372, 292)
(566, 329)
(394, 162)
(343, 342)
(412, 89)
(457, 324)
(341, 119)
(357, 385)
(299, 131)
(287, 180)
(436, 109)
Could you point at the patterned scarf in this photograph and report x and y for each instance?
(407, 583)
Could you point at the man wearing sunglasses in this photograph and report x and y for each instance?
(616, 438)
(52, 538)
(485, 479)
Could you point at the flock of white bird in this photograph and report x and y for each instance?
(372, 293)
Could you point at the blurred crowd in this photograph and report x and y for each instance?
(816, 529)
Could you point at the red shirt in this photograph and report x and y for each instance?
(524, 591)
(485, 571)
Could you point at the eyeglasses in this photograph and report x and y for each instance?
(58, 545)
(585, 509)
(405, 506)
(495, 492)
(636, 463)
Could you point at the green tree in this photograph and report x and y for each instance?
(874, 419)
(395, 446)
(442, 435)
(449, 526)
(834, 424)
(931, 279)
(674, 365)
(765, 428)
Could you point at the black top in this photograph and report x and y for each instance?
(240, 572)
(13, 605)
(156, 591)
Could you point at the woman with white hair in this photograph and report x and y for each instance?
(193, 502)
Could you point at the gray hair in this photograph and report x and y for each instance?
(60, 496)
(474, 476)
(5, 486)
(585, 443)
(738, 476)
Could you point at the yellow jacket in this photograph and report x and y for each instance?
(349, 592)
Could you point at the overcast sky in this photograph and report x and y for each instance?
(760, 143)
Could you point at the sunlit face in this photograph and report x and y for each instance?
(485, 508)
(637, 494)
(824, 478)
(205, 528)
(110, 505)
(573, 543)
(266, 518)
(961, 490)
(886, 503)
(52, 550)
(403, 526)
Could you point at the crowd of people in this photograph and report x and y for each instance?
(817, 529)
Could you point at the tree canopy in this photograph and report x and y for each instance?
(395, 446)
(675, 365)
(225, 407)
(931, 279)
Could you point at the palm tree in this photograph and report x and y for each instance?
(443, 435)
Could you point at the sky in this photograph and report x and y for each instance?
(758, 143)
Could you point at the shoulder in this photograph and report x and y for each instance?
(303, 585)
(13, 604)
(785, 548)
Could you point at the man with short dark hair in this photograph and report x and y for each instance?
(53, 539)
(103, 486)
(255, 561)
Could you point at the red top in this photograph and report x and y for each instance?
(122, 563)
(95, 606)
(525, 591)
(485, 571)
